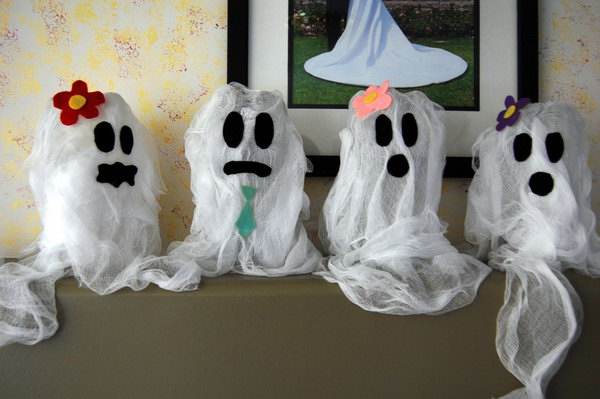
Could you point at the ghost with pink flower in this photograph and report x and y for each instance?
(379, 222)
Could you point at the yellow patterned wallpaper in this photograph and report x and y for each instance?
(164, 57)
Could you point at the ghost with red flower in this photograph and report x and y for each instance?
(94, 174)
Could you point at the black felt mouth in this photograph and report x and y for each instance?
(116, 174)
(398, 166)
(235, 167)
(541, 183)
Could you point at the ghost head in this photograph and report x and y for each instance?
(94, 175)
(392, 162)
(379, 220)
(531, 190)
(248, 168)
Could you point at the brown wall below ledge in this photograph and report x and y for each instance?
(293, 337)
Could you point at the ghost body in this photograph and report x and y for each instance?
(94, 175)
(96, 184)
(248, 168)
(528, 213)
(532, 190)
(379, 221)
(376, 183)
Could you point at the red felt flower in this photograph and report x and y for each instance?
(78, 102)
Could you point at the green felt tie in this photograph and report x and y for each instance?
(246, 223)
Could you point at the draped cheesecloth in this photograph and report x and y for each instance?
(389, 253)
(244, 222)
(373, 49)
(94, 231)
(534, 231)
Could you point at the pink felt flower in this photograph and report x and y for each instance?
(77, 102)
(375, 98)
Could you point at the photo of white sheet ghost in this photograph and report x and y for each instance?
(380, 222)
(529, 214)
(373, 48)
(95, 181)
(248, 167)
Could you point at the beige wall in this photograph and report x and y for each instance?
(151, 65)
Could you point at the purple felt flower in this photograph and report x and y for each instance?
(510, 115)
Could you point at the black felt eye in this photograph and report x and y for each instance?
(233, 129)
(522, 147)
(555, 146)
(126, 138)
(410, 129)
(104, 136)
(383, 130)
(263, 130)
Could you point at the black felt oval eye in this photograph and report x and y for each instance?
(263, 130)
(233, 129)
(104, 136)
(555, 146)
(126, 138)
(383, 130)
(522, 147)
(410, 129)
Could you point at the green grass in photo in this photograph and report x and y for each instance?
(307, 89)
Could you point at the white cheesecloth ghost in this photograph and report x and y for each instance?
(380, 223)
(373, 48)
(95, 183)
(529, 213)
(248, 168)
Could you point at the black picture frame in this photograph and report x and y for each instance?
(456, 167)
(237, 41)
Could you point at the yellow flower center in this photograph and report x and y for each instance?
(370, 98)
(510, 111)
(77, 101)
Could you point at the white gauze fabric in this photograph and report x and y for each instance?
(243, 140)
(96, 231)
(373, 49)
(380, 219)
(529, 213)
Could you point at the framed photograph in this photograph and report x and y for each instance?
(338, 47)
(318, 53)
